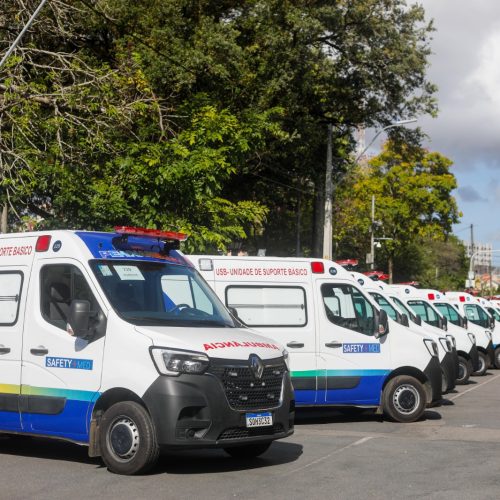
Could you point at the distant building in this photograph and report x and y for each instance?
(483, 260)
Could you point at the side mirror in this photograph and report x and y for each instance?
(234, 314)
(382, 326)
(417, 320)
(79, 318)
(404, 320)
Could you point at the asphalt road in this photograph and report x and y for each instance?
(453, 454)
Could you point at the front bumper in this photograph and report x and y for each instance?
(448, 365)
(433, 374)
(491, 353)
(192, 411)
(454, 355)
(474, 357)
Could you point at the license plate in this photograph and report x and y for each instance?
(259, 419)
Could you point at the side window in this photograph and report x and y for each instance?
(449, 312)
(268, 306)
(384, 304)
(60, 284)
(425, 312)
(347, 307)
(472, 313)
(11, 284)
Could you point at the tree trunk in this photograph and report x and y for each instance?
(389, 265)
(4, 218)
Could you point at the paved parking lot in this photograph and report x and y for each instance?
(454, 453)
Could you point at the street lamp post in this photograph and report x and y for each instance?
(327, 226)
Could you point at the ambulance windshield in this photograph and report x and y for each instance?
(160, 293)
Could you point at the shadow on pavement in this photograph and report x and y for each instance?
(49, 449)
(217, 461)
(305, 416)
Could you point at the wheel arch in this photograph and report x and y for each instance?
(105, 401)
(412, 372)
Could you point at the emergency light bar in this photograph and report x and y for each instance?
(431, 296)
(152, 233)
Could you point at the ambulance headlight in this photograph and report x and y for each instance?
(472, 338)
(286, 359)
(445, 343)
(451, 338)
(431, 347)
(172, 362)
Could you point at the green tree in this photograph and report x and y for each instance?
(412, 189)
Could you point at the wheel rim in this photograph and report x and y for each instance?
(406, 399)
(123, 438)
(462, 370)
(444, 382)
(482, 364)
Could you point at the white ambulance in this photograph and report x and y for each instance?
(432, 322)
(114, 341)
(492, 307)
(479, 322)
(468, 357)
(381, 293)
(344, 351)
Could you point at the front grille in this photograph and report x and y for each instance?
(243, 432)
(246, 392)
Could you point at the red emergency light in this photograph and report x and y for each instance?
(431, 296)
(42, 243)
(317, 267)
(347, 262)
(461, 298)
(377, 275)
(152, 233)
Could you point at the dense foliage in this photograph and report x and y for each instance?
(202, 116)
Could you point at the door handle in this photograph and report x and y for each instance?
(293, 344)
(39, 351)
(4, 350)
(333, 343)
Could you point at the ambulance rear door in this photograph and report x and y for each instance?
(275, 299)
(354, 362)
(13, 284)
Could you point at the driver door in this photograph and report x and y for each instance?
(354, 362)
(61, 374)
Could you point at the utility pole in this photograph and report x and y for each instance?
(15, 43)
(372, 236)
(327, 229)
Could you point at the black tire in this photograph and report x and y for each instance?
(497, 358)
(483, 365)
(404, 399)
(128, 439)
(248, 450)
(464, 370)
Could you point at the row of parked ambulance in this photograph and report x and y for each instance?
(116, 342)
(355, 342)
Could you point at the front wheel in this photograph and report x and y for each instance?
(483, 364)
(464, 370)
(248, 450)
(403, 399)
(497, 358)
(128, 439)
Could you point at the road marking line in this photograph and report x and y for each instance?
(475, 387)
(314, 462)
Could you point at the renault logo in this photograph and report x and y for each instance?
(256, 366)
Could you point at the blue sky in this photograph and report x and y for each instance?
(465, 65)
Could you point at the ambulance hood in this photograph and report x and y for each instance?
(226, 343)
